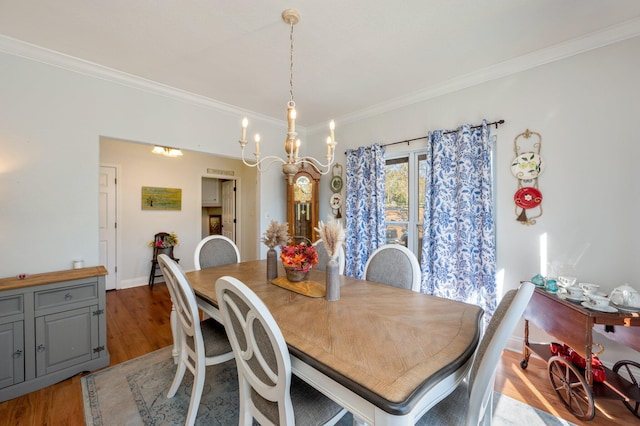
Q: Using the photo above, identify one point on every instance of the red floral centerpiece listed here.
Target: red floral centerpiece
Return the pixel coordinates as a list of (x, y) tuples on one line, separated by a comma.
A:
[(297, 260)]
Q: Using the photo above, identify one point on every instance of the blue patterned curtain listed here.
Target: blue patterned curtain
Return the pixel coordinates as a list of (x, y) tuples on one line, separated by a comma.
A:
[(458, 248), (365, 225)]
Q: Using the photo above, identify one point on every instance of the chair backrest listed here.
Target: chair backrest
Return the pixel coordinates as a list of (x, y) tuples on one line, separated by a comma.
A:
[(262, 356), (395, 265), (184, 301), (323, 257), (487, 358), (215, 250)]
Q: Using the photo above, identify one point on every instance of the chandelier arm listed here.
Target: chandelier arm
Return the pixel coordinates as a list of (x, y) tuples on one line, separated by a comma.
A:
[(317, 164), (260, 163)]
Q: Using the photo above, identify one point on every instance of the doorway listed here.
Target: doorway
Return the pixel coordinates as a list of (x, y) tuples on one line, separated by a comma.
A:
[(219, 207)]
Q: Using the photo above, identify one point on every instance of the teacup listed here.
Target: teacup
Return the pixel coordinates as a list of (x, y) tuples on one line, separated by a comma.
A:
[(589, 288), (598, 301), (574, 292), (566, 281)]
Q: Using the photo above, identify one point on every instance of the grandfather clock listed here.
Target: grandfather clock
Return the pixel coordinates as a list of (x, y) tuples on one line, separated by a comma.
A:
[(302, 204)]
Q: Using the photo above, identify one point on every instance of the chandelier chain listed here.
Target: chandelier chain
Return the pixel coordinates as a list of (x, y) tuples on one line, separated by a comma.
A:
[(291, 101)]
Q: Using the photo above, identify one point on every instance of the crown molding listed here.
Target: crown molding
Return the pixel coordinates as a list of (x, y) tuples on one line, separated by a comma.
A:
[(51, 57), (607, 36), (610, 35)]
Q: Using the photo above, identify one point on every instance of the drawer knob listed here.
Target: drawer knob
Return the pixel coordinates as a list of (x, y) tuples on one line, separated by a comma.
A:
[(68, 296), (17, 354), (40, 348)]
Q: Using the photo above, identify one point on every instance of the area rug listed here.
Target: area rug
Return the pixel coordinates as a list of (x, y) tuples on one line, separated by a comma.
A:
[(134, 393)]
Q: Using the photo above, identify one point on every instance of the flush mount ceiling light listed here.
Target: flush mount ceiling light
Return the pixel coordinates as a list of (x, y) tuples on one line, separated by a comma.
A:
[(169, 152), (292, 162)]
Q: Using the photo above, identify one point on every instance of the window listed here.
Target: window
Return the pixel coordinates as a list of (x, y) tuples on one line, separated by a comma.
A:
[(404, 200)]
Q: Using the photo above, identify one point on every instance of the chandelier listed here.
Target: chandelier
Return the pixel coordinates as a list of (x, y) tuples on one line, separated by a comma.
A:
[(292, 162)]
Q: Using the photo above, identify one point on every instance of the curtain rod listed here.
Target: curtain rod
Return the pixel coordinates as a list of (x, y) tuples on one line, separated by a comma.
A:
[(496, 123)]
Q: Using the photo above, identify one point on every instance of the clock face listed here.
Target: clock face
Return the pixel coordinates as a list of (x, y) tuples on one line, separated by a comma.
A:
[(336, 201), (336, 183)]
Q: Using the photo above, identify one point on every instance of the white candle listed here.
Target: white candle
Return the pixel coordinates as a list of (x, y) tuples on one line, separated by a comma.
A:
[(329, 146), (292, 119), (257, 144), (332, 126), (245, 122)]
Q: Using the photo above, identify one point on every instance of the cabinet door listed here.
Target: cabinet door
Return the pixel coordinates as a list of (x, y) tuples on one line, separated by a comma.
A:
[(11, 353), (66, 338)]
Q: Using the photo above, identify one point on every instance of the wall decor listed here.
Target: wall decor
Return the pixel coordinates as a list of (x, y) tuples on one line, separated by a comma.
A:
[(336, 185), (215, 224), (526, 167), (156, 198)]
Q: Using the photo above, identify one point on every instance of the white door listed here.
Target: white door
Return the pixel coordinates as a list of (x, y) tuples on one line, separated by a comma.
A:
[(107, 223), (229, 209)]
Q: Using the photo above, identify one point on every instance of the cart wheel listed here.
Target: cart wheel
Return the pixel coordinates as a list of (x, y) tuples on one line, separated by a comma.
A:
[(632, 372), (524, 363), (571, 387)]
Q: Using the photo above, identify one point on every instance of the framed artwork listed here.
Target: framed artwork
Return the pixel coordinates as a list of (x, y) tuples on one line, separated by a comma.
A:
[(155, 198), (215, 224)]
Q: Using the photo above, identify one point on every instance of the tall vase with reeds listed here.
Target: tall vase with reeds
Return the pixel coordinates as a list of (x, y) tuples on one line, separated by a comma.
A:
[(332, 234), (275, 235)]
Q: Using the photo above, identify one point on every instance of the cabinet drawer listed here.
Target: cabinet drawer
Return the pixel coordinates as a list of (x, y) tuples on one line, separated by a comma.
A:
[(11, 305), (66, 295)]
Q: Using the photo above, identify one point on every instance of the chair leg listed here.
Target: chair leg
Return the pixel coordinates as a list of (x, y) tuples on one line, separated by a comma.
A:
[(177, 379), (196, 394), (152, 275)]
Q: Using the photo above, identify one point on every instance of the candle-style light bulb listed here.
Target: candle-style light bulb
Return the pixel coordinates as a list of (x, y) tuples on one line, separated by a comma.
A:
[(245, 123), (332, 127), (292, 119), (257, 144)]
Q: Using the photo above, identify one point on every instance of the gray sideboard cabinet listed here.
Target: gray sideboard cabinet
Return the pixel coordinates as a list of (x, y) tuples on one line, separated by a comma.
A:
[(52, 326)]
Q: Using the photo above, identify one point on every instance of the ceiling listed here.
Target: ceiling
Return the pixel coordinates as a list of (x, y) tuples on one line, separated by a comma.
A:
[(349, 56)]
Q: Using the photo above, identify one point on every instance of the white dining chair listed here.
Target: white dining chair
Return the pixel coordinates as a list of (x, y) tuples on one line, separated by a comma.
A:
[(215, 250), (200, 343), (269, 393), (323, 257), (395, 265), (471, 402)]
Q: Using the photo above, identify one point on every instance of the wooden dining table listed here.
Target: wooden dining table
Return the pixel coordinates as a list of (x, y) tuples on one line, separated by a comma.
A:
[(384, 353)]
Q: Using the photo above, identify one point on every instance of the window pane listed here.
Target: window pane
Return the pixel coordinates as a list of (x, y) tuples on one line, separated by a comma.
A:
[(422, 176), (397, 233), (419, 229), (397, 190)]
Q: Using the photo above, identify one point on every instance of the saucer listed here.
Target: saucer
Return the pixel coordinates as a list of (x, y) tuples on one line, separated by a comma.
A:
[(564, 295), (610, 309), (624, 308)]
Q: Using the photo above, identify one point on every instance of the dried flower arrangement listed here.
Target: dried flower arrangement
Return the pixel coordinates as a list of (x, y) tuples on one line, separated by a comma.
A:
[(332, 234), (276, 234), (300, 257), (169, 241)]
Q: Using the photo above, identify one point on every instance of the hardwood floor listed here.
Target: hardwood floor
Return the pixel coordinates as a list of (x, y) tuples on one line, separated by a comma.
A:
[(138, 323)]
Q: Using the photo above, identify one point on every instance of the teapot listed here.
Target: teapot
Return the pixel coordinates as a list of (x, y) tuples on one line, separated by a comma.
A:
[(625, 295)]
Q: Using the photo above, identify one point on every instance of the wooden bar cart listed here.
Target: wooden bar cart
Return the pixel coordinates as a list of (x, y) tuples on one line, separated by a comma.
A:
[(573, 325)]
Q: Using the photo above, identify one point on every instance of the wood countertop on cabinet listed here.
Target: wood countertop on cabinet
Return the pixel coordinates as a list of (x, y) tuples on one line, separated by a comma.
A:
[(52, 277)]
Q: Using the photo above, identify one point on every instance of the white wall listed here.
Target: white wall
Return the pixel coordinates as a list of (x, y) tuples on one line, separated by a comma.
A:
[(586, 108), (51, 122), (137, 167)]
